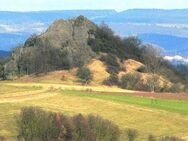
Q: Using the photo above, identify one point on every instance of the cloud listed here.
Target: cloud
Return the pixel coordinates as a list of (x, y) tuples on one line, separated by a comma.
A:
[(9, 28), (177, 58), (37, 27)]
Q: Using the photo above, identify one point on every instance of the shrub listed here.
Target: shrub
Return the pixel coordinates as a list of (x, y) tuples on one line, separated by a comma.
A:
[(103, 130), (171, 139), (132, 134), (37, 125), (152, 138), (20, 138), (30, 123), (85, 75), (111, 80), (141, 86), (2, 138), (130, 81), (113, 67), (133, 81), (153, 83), (176, 88), (142, 69), (106, 41)]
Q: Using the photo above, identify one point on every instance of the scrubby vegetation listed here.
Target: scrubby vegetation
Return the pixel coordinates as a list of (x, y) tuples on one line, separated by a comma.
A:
[(37, 125), (111, 61), (112, 80), (105, 41), (171, 139), (85, 75), (130, 81), (118, 107), (132, 134)]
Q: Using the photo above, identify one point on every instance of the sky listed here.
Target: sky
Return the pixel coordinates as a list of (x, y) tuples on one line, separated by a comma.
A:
[(118, 5)]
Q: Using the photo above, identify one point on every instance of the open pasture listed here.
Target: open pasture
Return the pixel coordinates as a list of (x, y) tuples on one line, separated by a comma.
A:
[(161, 117)]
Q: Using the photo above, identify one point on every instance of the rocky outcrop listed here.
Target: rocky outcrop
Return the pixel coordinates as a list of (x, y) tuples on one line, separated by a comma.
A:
[(74, 32), (64, 43)]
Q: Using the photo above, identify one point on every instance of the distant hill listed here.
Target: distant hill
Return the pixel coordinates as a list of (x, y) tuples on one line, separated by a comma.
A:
[(8, 40), (129, 16), (176, 16), (4, 54), (50, 16), (172, 45)]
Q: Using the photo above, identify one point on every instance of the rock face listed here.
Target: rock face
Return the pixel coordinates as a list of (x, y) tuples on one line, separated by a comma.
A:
[(61, 33), (68, 38)]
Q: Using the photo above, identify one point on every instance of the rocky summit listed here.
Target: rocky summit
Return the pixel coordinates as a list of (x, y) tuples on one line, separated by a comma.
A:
[(64, 44), (62, 33)]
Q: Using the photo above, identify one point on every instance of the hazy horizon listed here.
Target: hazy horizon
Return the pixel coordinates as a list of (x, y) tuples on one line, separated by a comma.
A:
[(92, 9), (118, 5)]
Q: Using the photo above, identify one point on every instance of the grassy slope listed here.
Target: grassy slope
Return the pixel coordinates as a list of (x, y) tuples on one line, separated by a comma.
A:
[(125, 111), (177, 106)]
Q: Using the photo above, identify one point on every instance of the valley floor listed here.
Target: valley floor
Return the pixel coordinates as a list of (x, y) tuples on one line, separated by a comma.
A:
[(162, 116)]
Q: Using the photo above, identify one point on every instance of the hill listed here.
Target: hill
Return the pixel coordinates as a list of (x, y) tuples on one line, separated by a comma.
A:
[(4, 54), (174, 16), (86, 51), (9, 40), (48, 17)]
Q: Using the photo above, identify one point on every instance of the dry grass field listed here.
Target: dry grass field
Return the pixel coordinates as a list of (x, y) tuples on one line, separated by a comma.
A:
[(166, 117)]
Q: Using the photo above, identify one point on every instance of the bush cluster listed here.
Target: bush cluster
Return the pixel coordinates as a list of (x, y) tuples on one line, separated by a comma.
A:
[(133, 134), (37, 125), (171, 139), (142, 69), (130, 81), (106, 41), (133, 81), (113, 67), (111, 80), (85, 75)]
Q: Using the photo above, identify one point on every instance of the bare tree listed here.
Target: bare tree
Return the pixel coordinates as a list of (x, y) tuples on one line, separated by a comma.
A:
[(153, 61)]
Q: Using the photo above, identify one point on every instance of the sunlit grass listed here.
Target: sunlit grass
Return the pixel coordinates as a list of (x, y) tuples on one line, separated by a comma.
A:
[(166, 117), (178, 106)]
